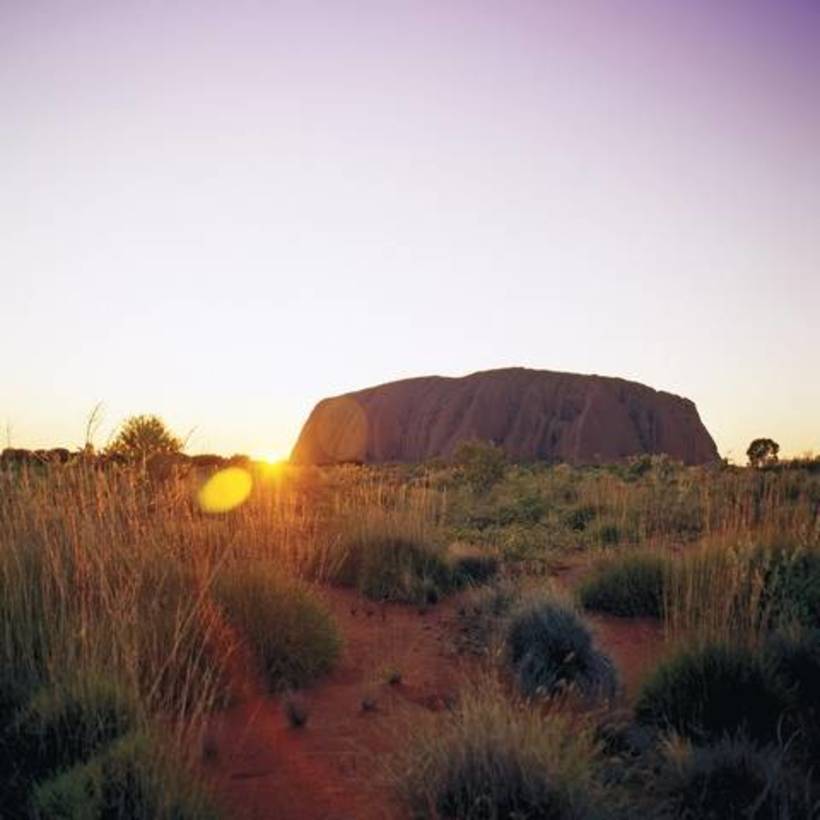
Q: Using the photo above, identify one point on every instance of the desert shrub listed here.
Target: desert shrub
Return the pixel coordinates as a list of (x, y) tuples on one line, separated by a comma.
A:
[(579, 518), (529, 509), (796, 660), (610, 535), (14, 693), (396, 568), (498, 760), (733, 778), (730, 590), (470, 565), (623, 742), (482, 464), (712, 690), (131, 781), (484, 611), (791, 584), (638, 466), (292, 634), (388, 544), (550, 649), (61, 726), (630, 585)]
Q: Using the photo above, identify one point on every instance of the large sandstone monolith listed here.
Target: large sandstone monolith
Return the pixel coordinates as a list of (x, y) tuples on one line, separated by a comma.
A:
[(532, 414)]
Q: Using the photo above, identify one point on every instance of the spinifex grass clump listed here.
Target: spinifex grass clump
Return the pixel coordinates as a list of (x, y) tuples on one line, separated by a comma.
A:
[(791, 581), (551, 650), (630, 585), (470, 564), (58, 727), (292, 634), (14, 694), (795, 658), (390, 548), (496, 759), (744, 588), (710, 691), (67, 724), (134, 779), (392, 568), (484, 611), (734, 778)]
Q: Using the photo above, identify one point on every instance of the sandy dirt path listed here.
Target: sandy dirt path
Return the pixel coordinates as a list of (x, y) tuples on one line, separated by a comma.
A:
[(333, 768)]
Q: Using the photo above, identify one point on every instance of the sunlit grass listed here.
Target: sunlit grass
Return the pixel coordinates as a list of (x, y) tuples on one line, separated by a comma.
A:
[(497, 757), (146, 580)]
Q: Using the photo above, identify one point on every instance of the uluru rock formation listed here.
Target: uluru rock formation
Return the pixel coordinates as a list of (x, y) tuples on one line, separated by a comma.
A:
[(532, 414)]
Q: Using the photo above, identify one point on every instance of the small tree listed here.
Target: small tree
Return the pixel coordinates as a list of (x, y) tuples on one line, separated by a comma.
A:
[(141, 437), (482, 463), (762, 451)]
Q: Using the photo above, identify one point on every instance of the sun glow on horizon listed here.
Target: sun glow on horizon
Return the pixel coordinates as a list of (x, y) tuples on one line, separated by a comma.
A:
[(271, 458)]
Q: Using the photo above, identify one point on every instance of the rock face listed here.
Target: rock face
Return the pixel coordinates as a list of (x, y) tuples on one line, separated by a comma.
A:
[(532, 414)]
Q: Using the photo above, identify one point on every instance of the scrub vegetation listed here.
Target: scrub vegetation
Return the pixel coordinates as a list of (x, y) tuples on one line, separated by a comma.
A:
[(126, 607)]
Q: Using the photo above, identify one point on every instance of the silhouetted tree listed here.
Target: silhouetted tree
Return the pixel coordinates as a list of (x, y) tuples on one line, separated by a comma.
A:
[(141, 437), (762, 451)]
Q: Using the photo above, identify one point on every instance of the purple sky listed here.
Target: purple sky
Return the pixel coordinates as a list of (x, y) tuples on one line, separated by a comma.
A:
[(222, 212)]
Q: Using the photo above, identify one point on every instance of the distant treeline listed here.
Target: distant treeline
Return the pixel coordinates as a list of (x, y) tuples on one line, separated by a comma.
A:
[(810, 463), (13, 456), (61, 455)]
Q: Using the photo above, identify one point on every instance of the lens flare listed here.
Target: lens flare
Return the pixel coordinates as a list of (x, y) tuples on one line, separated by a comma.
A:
[(225, 490)]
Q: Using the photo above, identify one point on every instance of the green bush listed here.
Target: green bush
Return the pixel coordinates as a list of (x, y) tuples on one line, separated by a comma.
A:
[(396, 568), (610, 535), (292, 634), (581, 517), (133, 780), (713, 690), (529, 509), (638, 466), (732, 779), (497, 760), (482, 464), (796, 660), (791, 583), (470, 565), (61, 726), (14, 693), (551, 650), (630, 585), (483, 612)]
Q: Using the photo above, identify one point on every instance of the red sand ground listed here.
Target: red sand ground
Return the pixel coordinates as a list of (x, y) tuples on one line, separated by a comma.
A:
[(333, 768)]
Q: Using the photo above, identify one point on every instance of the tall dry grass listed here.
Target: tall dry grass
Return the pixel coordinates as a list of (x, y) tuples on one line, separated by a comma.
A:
[(112, 576), (741, 587), (114, 570)]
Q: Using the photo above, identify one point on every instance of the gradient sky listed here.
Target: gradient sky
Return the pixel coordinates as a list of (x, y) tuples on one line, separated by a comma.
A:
[(223, 211)]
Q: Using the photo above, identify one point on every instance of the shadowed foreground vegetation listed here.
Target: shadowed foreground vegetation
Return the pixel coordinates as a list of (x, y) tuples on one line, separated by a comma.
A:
[(124, 606)]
